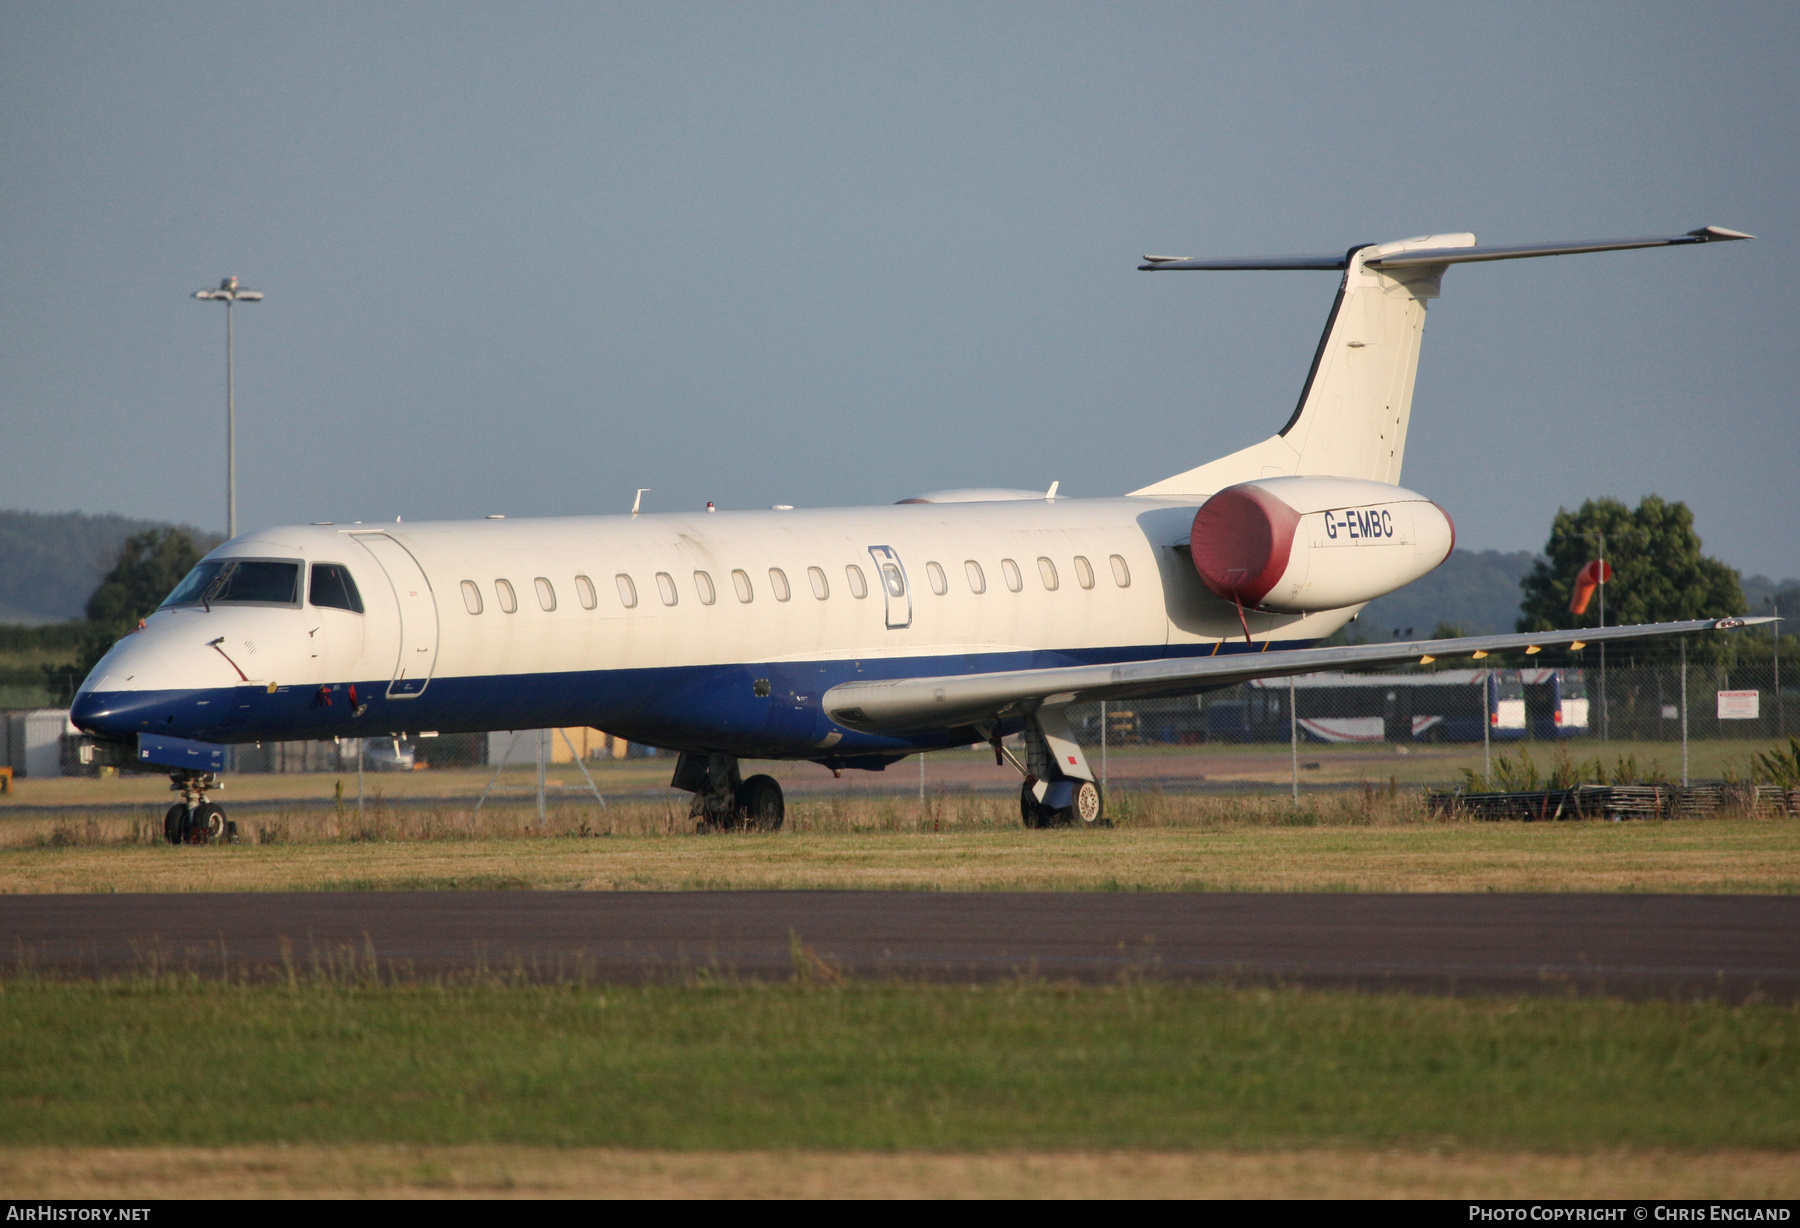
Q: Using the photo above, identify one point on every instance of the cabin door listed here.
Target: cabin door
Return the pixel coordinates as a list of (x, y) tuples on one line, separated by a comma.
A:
[(418, 615), (890, 575)]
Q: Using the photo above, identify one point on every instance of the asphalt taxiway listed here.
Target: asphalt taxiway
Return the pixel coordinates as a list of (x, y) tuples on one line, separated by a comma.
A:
[(1729, 947)]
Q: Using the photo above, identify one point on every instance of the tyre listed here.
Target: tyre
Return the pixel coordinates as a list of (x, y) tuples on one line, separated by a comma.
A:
[(207, 825), (175, 823), (1031, 812), (1089, 809), (1082, 806), (761, 804)]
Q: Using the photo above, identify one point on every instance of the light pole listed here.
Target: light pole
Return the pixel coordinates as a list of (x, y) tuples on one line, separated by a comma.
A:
[(229, 292)]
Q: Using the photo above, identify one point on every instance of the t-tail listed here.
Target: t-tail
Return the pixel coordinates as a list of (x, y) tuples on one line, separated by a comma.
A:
[(1353, 411)]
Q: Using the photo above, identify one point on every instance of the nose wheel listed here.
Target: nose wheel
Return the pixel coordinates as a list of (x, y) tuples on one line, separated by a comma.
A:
[(194, 819)]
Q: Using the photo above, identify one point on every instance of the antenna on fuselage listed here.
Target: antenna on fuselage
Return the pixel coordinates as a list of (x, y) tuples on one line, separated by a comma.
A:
[(639, 501)]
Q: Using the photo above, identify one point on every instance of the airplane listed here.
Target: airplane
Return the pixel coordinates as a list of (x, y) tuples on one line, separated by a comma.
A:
[(848, 637)]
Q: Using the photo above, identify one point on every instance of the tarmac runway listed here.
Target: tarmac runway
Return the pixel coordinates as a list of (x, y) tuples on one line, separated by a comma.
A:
[(1729, 947)]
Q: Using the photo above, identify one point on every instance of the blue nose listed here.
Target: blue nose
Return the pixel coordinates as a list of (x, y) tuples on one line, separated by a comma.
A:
[(125, 714), (92, 713)]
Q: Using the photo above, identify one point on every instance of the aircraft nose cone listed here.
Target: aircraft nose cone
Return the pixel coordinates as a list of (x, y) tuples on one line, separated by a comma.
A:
[(100, 713), (122, 715)]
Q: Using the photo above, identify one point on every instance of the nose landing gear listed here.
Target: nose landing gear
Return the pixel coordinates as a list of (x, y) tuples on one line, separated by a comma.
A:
[(194, 819)]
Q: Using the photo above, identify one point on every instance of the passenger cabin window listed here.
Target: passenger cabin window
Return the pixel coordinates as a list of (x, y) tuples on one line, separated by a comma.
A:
[(1047, 573), (239, 581), (665, 585), (627, 591), (584, 592), (859, 587), (471, 596), (977, 580), (504, 591), (820, 586), (1010, 570), (778, 584), (935, 574), (896, 583), (1121, 573), (740, 580), (1084, 572), (546, 594), (332, 588), (704, 586)]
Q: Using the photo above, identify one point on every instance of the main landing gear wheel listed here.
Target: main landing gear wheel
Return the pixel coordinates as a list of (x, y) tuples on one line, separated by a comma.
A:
[(760, 804), (175, 823), (1089, 810), (1083, 808)]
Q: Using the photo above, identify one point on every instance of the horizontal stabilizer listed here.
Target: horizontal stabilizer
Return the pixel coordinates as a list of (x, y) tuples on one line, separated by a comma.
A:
[(1440, 255), (1156, 264), (900, 704), (1469, 255)]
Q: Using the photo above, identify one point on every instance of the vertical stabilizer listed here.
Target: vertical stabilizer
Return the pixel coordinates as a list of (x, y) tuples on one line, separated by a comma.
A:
[(1353, 411), (1352, 415)]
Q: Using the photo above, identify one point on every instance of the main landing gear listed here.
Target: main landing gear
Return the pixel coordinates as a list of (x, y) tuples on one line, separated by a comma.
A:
[(1059, 790), (194, 819), (723, 800)]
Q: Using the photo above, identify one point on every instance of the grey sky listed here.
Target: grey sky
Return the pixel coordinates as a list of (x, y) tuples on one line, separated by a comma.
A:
[(525, 258)]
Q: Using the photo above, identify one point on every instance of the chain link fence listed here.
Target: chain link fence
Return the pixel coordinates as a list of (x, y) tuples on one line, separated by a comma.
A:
[(1636, 703), (1427, 726)]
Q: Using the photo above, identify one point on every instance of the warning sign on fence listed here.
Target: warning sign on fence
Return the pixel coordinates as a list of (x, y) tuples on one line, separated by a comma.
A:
[(1739, 705)]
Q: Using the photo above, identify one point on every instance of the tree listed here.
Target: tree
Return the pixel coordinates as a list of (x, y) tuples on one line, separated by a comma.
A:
[(149, 566), (1659, 574)]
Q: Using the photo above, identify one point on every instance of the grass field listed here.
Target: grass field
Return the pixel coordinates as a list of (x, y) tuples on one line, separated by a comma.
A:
[(176, 1089), (1024, 1066), (1199, 845), (503, 1171)]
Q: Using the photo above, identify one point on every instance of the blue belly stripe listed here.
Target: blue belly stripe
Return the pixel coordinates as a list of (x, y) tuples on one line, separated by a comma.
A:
[(713, 708)]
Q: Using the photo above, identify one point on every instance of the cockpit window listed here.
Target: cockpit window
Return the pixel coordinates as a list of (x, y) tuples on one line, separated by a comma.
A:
[(333, 588), (239, 581), (194, 585)]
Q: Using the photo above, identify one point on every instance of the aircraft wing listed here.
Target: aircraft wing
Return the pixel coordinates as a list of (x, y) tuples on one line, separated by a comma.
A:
[(901, 704)]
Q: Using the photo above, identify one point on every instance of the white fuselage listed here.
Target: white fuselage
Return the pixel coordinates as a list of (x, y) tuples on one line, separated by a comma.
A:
[(688, 620)]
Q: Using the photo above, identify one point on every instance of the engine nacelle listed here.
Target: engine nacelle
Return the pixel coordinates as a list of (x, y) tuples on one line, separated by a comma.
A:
[(1300, 544)]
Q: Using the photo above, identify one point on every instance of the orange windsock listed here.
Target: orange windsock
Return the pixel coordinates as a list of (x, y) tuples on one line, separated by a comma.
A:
[(1586, 581)]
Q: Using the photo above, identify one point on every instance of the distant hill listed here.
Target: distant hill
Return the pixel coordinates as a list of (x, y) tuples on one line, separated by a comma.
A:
[(49, 563), (1476, 590)]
